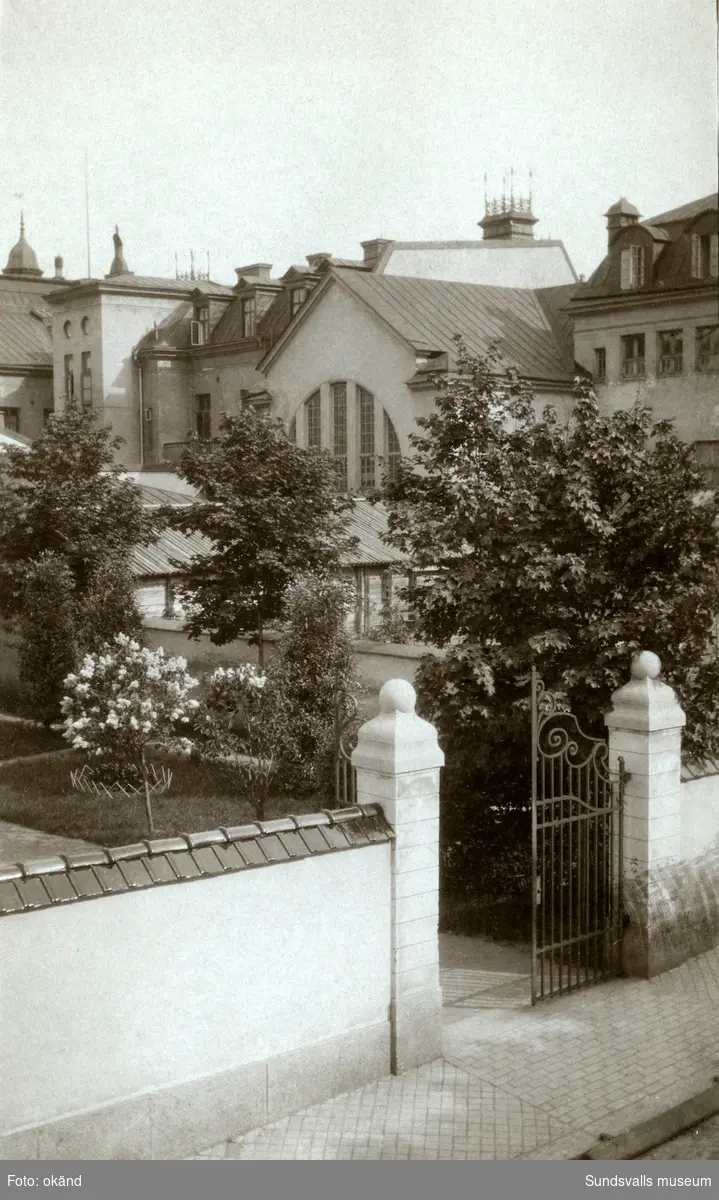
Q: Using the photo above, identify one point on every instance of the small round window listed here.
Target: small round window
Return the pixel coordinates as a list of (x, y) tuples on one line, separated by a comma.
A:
[(85, 324), (67, 329)]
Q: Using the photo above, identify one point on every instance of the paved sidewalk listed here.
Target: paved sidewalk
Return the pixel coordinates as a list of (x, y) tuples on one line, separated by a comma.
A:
[(20, 844), (517, 1082)]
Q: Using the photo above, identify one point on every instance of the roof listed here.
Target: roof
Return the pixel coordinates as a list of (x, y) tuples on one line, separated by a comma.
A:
[(147, 283), (495, 263), (368, 523), (153, 497), (10, 439), (623, 206), (93, 874), (169, 554), (25, 338), (699, 770), (429, 313), (685, 212)]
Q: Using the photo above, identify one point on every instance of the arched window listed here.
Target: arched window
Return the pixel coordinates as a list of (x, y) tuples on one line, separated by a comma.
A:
[(349, 421)]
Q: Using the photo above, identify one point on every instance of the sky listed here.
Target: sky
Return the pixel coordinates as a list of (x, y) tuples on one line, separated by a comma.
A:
[(264, 132)]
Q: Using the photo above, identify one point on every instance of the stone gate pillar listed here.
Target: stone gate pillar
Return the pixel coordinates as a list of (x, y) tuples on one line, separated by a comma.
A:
[(645, 729), (398, 760)]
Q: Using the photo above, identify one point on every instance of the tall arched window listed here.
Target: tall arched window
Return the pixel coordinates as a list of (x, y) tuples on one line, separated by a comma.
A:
[(347, 419)]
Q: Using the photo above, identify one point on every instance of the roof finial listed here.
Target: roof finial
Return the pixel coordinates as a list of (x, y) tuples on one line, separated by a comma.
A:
[(22, 224), (486, 201), (531, 177), (511, 187), (504, 192)]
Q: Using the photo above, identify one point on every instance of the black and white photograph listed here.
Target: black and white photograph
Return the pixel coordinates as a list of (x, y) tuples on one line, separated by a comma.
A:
[(359, 591)]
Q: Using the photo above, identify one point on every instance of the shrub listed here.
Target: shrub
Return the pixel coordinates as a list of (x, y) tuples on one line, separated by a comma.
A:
[(47, 627)]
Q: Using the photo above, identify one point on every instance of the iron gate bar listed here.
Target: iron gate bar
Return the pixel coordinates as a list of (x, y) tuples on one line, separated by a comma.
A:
[(577, 898)]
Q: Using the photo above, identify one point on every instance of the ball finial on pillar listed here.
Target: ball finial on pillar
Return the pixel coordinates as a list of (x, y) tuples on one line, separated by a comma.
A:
[(397, 695), (646, 665)]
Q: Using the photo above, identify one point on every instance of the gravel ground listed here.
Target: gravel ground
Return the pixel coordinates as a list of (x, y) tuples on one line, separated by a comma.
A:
[(702, 1142)]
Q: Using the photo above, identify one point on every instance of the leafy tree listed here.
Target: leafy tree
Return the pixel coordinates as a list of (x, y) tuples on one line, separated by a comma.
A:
[(567, 545), (271, 512), (47, 629), (65, 495), (63, 503), (315, 671)]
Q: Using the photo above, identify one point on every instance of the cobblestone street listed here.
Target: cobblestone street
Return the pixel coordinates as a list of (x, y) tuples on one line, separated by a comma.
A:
[(517, 1082)]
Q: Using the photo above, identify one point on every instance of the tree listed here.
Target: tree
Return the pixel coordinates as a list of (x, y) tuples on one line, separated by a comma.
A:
[(315, 672), (66, 513), (47, 628), (271, 512), (567, 545), (65, 495)]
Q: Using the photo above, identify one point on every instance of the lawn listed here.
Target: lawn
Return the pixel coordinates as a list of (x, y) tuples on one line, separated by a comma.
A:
[(39, 795), (17, 740)]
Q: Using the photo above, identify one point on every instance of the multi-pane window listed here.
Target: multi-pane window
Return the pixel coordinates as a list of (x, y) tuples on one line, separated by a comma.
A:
[(292, 431), (705, 255), (339, 432), (707, 357), (365, 401), (392, 451), (203, 427), (600, 364), (10, 419), (297, 299), (86, 378), (633, 360), (248, 313), (314, 433), (69, 376), (632, 268), (670, 352), (707, 456)]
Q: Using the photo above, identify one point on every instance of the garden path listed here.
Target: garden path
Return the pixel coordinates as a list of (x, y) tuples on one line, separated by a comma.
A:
[(19, 844)]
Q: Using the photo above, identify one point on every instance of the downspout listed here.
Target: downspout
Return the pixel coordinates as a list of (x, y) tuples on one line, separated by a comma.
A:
[(138, 364)]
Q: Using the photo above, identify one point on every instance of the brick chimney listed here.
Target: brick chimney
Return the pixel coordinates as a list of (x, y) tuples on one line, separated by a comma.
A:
[(260, 271), (372, 251)]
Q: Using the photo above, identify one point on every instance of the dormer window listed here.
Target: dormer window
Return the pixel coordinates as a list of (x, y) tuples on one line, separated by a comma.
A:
[(297, 298), (632, 268), (200, 328), (248, 316), (705, 256)]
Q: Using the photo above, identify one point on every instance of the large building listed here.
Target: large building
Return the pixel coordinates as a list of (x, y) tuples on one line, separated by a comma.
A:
[(162, 359), (646, 324)]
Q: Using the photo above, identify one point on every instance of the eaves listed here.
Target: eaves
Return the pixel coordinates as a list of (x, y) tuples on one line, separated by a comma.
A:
[(38, 371), (636, 300)]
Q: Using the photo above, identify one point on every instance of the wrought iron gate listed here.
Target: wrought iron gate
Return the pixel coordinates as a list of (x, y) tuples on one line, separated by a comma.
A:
[(346, 710), (577, 917)]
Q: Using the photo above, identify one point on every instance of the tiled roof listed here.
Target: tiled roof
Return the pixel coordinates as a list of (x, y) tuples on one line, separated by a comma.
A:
[(93, 874), (686, 212), (428, 313), (25, 339)]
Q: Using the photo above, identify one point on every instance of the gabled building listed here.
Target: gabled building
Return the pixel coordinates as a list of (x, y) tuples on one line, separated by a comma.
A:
[(646, 324)]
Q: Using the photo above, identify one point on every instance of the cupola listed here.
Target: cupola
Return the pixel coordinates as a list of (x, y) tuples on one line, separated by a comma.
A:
[(22, 261)]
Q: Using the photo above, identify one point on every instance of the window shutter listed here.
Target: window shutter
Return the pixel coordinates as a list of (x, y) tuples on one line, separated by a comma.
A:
[(626, 261), (696, 256), (641, 259), (714, 255)]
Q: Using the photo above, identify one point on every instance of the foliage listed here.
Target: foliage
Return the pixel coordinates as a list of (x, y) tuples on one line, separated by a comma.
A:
[(394, 628), (65, 495), (565, 544), (63, 502), (121, 700), (271, 512), (241, 726), (47, 628), (314, 670)]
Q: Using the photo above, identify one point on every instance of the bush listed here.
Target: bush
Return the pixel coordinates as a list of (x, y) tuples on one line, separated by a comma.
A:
[(47, 627)]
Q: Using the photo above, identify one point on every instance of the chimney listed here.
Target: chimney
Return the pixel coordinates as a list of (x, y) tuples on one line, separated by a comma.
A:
[(315, 259), (373, 251), (59, 267), (619, 216), (260, 271)]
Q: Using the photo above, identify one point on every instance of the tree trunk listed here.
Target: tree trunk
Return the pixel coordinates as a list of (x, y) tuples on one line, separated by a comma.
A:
[(260, 641), (148, 802)]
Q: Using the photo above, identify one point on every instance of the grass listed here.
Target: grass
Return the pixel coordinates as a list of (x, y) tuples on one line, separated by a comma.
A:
[(17, 741), (39, 795)]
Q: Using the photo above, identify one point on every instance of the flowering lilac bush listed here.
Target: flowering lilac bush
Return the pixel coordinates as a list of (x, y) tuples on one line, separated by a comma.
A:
[(241, 726), (123, 698)]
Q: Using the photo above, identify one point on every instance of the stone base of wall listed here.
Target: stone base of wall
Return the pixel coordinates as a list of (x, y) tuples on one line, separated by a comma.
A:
[(179, 1121), (673, 915)]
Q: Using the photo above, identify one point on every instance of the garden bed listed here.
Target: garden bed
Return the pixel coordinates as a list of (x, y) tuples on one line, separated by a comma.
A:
[(39, 795), (18, 740)]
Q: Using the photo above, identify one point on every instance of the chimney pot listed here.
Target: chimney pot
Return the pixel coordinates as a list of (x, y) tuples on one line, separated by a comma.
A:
[(59, 267)]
